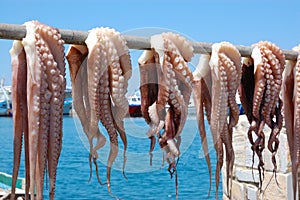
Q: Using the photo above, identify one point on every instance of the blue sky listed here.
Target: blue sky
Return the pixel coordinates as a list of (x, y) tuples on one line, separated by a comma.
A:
[(239, 22)]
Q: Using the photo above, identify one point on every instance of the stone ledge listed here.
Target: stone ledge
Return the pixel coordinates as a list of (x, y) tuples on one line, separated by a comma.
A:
[(252, 192), (273, 191), (270, 189), (238, 191), (243, 184), (246, 175)]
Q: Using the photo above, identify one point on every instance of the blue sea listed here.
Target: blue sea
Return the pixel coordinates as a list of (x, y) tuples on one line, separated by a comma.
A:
[(144, 181)]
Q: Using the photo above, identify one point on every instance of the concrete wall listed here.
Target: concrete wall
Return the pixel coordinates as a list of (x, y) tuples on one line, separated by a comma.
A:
[(245, 182)]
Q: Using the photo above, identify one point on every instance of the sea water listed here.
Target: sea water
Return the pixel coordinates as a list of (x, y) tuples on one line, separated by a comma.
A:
[(143, 181)]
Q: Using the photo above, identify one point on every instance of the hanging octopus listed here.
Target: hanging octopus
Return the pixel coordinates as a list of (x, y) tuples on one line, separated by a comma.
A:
[(76, 57), (148, 66), (291, 101), (259, 94), (202, 101), (38, 95), (170, 83), (100, 83), (226, 74), (20, 113)]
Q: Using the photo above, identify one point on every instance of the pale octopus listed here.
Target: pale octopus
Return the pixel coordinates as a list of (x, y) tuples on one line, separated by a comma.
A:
[(259, 93), (291, 104), (166, 79), (216, 80), (226, 74), (100, 74), (202, 101), (38, 87)]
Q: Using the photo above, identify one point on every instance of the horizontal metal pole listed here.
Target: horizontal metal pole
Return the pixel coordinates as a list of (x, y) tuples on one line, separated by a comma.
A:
[(18, 32)]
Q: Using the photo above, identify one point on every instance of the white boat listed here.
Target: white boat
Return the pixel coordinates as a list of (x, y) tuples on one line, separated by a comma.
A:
[(5, 99), (135, 105), (5, 186), (134, 102), (68, 101), (4, 110)]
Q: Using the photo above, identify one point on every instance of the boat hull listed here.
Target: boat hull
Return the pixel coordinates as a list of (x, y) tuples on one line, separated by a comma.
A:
[(135, 111)]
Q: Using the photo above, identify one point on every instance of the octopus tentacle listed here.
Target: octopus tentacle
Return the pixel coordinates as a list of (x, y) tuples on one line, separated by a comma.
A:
[(260, 80), (203, 73), (157, 111), (148, 82), (96, 68), (287, 91), (290, 90), (177, 52), (234, 74), (169, 144), (202, 100), (82, 80), (219, 165), (273, 68), (206, 100), (269, 64), (277, 66), (273, 142), (77, 59), (218, 95), (20, 113), (184, 48), (296, 122), (148, 89), (108, 78), (258, 147), (55, 137), (246, 92), (174, 82), (226, 137), (219, 107), (106, 119), (33, 94), (260, 99), (95, 71), (55, 70), (123, 53), (41, 60), (258, 121), (198, 101), (174, 70), (273, 85), (183, 75), (233, 83), (225, 65), (175, 100), (175, 45), (120, 72), (109, 69), (44, 120)]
